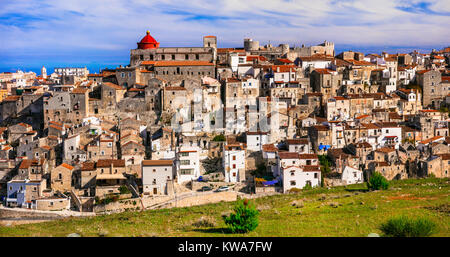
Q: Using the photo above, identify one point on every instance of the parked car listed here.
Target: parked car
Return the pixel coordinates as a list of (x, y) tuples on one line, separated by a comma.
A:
[(205, 188), (222, 189)]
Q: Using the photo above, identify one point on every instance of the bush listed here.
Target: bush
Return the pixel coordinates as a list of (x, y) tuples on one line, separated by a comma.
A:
[(377, 181), (307, 187), (219, 138), (124, 189), (406, 227), (294, 190), (244, 218)]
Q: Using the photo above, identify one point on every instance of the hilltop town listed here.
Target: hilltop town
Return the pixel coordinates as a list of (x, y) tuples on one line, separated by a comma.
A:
[(203, 120)]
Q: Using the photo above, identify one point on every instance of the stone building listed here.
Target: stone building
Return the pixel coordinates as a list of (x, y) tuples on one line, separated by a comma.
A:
[(327, 82), (433, 93), (61, 178), (79, 103)]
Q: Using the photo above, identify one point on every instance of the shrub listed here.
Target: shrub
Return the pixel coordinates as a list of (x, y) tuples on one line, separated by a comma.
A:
[(406, 227), (294, 190), (307, 187), (377, 181), (205, 222), (219, 138), (124, 189), (244, 218)]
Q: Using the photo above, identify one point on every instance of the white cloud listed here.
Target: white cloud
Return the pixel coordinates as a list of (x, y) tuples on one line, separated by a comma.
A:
[(116, 25)]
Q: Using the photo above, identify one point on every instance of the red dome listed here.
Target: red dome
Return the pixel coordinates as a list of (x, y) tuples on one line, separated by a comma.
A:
[(148, 42)]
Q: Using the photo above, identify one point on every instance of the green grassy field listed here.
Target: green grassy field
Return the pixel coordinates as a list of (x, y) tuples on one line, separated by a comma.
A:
[(340, 211)]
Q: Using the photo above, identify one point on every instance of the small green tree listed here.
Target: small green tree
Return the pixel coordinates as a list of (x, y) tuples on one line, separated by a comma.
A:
[(124, 189), (244, 218), (219, 138), (377, 181)]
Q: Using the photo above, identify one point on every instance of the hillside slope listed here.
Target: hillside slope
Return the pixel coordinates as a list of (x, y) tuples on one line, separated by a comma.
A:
[(339, 211)]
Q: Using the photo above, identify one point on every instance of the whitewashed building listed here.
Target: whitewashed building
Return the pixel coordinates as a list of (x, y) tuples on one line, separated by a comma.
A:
[(255, 140), (298, 177), (157, 176), (352, 176), (188, 164), (234, 162)]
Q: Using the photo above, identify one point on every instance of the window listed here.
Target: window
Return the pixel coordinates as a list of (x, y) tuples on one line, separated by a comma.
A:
[(173, 57), (163, 57), (292, 173), (293, 183), (185, 162), (186, 171), (234, 157), (186, 57), (197, 57), (234, 166)]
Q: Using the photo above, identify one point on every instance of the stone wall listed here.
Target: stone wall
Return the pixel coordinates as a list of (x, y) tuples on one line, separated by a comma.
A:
[(53, 204)]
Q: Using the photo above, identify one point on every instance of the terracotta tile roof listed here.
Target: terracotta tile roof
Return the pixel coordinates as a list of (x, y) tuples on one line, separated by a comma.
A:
[(288, 155), (308, 156), (385, 150), (309, 168), (114, 86), (24, 125), (107, 163), (422, 71), (445, 156), (362, 116), (321, 128), (56, 127), (283, 68), (79, 90), (25, 164), (429, 140), (67, 166), (363, 145), (136, 90), (46, 147), (157, 162), (87, 166), (284, 60), (387, 124), (256, 57), (175, 88), (95, 75), (269, 148), (370, 125), (297, 141), (12, 98), (323, 71)]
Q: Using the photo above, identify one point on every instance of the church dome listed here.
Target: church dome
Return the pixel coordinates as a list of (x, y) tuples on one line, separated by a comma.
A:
[(148, 42)]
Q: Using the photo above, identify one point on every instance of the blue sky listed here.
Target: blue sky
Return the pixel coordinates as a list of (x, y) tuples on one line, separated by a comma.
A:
[(100, 33)]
